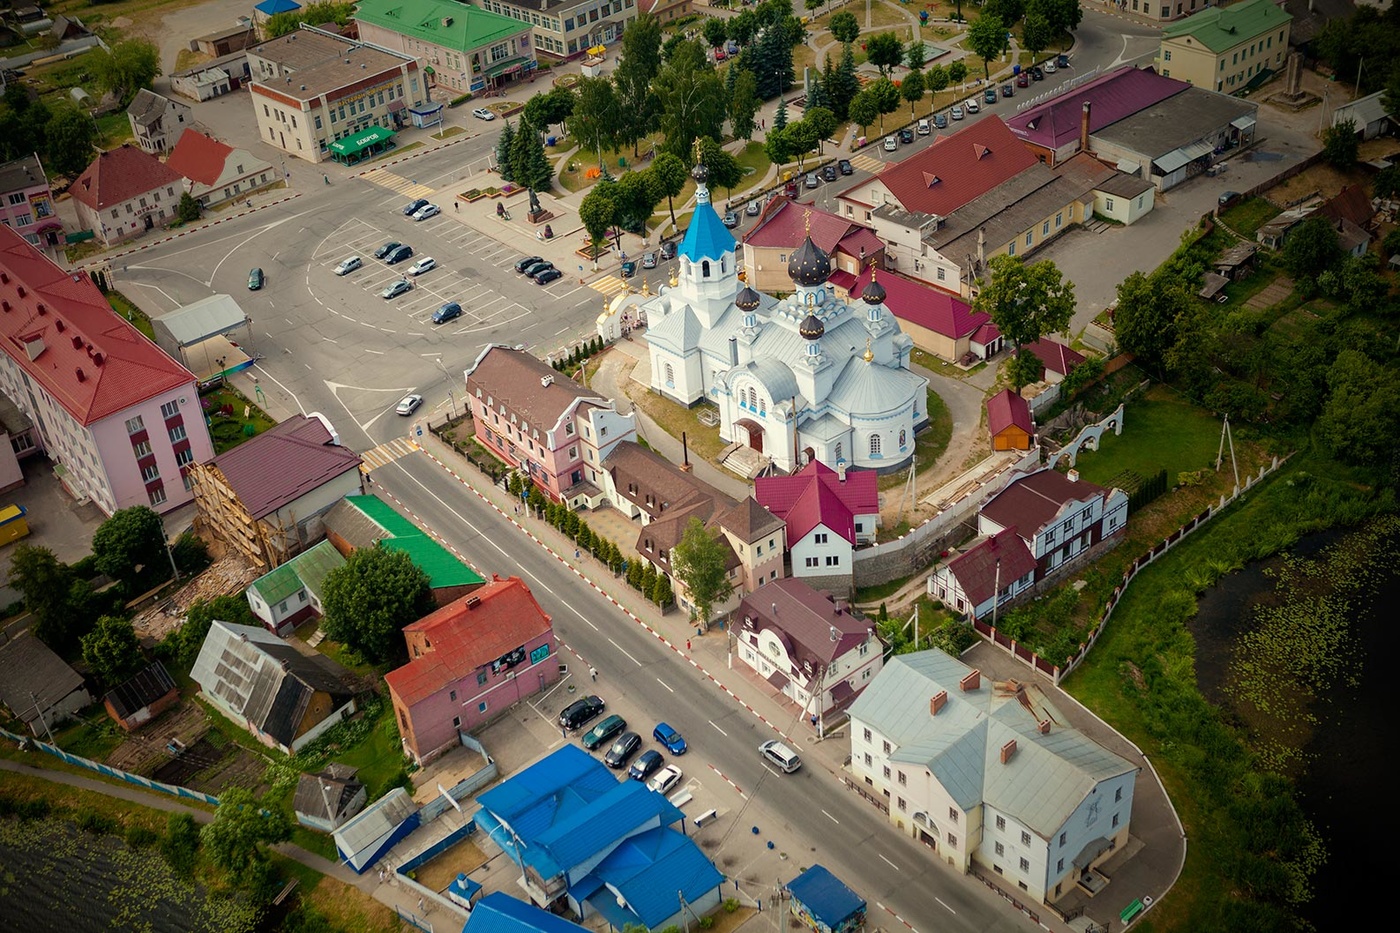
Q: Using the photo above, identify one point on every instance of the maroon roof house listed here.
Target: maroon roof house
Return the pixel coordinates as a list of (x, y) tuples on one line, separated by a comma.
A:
[(124, 192), (782, 227), (939, 321), (827, 513), (997, 563), (1056, 359), (1009, 421)]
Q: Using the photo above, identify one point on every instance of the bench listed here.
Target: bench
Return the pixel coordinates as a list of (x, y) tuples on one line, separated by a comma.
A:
[(1131, 911), (705, 817)]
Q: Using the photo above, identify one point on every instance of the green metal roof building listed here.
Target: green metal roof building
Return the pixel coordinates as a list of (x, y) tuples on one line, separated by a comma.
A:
[(284, 597), (463, 48), (1228, 49), (362, 521)]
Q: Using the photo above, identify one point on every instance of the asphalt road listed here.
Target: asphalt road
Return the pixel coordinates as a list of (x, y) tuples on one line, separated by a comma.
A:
[(645, 680)]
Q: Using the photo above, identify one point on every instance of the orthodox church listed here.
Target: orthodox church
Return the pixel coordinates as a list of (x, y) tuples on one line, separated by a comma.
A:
[(803, 378)]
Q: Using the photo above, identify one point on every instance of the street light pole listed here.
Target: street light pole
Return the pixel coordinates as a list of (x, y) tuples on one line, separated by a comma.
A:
[(451, 401)]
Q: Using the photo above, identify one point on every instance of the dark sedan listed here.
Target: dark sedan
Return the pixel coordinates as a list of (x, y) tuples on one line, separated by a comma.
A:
[(622, 750)]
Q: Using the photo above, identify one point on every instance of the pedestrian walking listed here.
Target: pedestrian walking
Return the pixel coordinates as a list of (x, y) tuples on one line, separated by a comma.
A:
[(593, 673), (420, 906), (763, 123), (576, 554), (455, 205), (687, 644), (564, 730)]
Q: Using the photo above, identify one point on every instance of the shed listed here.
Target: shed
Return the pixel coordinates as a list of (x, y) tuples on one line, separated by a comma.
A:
[(1212, 289), (1009, 421), (36, 684), (141, 699), (824, 903), (327, 799), (367, 837), (194, 323)]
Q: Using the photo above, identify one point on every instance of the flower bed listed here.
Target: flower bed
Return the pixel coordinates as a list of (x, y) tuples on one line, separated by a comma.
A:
[(472, 194)]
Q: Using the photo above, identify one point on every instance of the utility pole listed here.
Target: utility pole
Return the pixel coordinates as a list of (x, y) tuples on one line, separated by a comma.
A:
[(996, 593), (42, 718), (1227, 436)]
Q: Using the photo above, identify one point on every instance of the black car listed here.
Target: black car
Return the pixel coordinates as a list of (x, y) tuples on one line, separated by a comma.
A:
[(386, 249), (1008, 90), (398, 254), (645, 766), (1062, 60), (668, 249), (845, 167), (411, 207), (622, 750), (522, 264), (906, 136), (536, 267), (255, 280), (581, 712), (828, 173), (731, 219), (547, 276), (604, 731), (1037, 74)]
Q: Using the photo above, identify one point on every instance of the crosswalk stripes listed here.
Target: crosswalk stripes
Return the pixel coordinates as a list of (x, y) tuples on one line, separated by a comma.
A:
[(609, 285), (387, 453), (867, 164), (387, 179)]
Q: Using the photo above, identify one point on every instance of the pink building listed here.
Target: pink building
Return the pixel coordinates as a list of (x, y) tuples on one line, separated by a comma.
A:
[(26, 202), (472, 660), (119, 415), (544, 423)]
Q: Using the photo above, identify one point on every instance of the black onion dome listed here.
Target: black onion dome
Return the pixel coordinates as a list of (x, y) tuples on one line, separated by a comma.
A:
[(748, 299), (874, 292), (809, 265), (700, 173), (811, 327)]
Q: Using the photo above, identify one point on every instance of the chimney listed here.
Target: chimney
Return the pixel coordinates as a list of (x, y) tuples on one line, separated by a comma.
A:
[(82, 376), (1072, 476), (1084, 129), (1007, 751), (473, 602), (937, 702), (546, 381), (775, 609), (1043, 727), (971, 682)]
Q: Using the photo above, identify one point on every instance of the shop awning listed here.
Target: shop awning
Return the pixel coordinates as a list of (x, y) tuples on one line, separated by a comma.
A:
[(429, 70), (1186, 154), (506, 67), (353, 145), (1245, 122)]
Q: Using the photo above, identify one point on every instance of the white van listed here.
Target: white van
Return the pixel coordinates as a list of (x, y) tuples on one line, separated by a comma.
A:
[(780, 756), (891, 144), (924, 128)]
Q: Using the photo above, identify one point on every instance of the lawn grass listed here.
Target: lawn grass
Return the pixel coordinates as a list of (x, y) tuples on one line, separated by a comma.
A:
[(228, 431), (127, 309), (1246, 217), (113, 129), (929, 444), (1161, 430), (703, 441), (93, 737), (379, 758), (345, 907), (942, 367)]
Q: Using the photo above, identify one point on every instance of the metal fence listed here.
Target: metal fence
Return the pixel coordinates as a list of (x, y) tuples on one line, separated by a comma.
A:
[(174, 790)]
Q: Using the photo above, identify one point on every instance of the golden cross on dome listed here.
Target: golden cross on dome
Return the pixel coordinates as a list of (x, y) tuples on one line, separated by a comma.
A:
[(872, 270), (869, 354), (807, 219), (697, 150)]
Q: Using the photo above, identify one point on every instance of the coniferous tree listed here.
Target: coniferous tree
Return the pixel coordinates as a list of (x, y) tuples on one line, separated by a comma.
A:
[(503, 152), (780, 119)]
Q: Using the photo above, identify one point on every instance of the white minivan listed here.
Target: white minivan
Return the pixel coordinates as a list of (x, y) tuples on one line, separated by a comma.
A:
[(924, 128), (891, 144), (780, 756)]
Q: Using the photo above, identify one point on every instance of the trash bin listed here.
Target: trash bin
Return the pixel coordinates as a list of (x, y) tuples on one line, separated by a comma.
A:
[(550, 140), (1015, 69)]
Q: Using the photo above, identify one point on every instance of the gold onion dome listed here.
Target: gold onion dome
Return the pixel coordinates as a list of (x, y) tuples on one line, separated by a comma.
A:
[(748, 299), (811, 327)]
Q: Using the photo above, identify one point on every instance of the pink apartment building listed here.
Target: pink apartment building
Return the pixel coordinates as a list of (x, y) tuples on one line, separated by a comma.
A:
[(26, 202), (544, 423), (120, 418), (472, 660)]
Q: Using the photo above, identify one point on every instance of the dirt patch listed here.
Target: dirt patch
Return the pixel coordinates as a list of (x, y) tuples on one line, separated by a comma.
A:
[(226, 576), (465, 856), (144, 752), (206, 767), (1326, 180)]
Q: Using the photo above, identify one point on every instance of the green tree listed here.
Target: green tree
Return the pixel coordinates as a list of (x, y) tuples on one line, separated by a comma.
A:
[(661, 593), (1360, 420), (822, 123), (843, 85), (1026, 301), (1036, 33), (743, 26), (640, 64), (189, 209), (886, 97), (692, 100), (1392, 92), (780, 118), (1340, 147), (23, 124), (316, 13), (505, 144), (637, 195), (368, 600), (957, 72), (1064, 15), (915, 54), (725, 170), (779, 146), (240, 830), (51, 592), (714, 31), (671, 175), (1008, 11), (545, 110), (597, 116), (1144, 322), (70, 133), (597, 211), (180, 844), (743, 103), (1355, 283), (183, 644), (133, 537), (529, 166), (844, 27), (936, 79), (884, 51), (635, 573), (698, 562), (987, 39), (864, 109), (912, 89), (1311, 248), (648, 579), (112, 650), (132, 64), (1023, 368)]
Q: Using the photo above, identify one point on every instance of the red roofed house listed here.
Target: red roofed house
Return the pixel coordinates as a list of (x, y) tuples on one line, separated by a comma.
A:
[(218, 172), (780, 230), (939, 321), (543, 422), (1009, 421), (266, 496), (827, 514), (121, 417), (1058, 516), (472, 660), (125, 192), (999, 563), (1056, 358), (807, 644)]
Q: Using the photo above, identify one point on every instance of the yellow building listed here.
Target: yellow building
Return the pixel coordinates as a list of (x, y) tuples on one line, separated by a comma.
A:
[(1226, 49)]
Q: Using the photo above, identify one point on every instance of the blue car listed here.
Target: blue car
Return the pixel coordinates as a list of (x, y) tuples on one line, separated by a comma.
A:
[(669, 737)]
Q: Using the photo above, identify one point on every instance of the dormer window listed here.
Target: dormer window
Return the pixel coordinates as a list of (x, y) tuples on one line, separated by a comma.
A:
[(569, 429)]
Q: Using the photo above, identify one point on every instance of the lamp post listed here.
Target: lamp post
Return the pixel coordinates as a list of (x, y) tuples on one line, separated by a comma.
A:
[(451, 401)]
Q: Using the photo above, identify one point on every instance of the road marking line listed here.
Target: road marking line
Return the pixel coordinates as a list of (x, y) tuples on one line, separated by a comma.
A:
[(664, 684), (832, 818), (719, 730), (888, 862), (624, 651)]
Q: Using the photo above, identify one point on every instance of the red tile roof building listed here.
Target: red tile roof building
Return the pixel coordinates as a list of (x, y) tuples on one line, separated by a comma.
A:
[(940, 322), (828, 513), (998, 563), (1009, 421), (216, 171), (1056, 359), (782, 227), (119, 415), (472, 660), (124, 192)]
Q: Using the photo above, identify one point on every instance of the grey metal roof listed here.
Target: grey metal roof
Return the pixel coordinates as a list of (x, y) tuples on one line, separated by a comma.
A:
[(677, 331), (1175, 122), (1044, 781), (21, 173), (1364, 110), (872, 389), (147, 107), (340, 789), (140, 691), (375, 821), (31, 673), (200, 320), (1178, 157)]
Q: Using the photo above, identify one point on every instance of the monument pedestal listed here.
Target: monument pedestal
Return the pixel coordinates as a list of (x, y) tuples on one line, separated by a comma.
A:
[(539, 216)]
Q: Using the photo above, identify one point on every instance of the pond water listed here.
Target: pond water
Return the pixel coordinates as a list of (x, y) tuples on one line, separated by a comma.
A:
[(54, 876), (1347, 774)]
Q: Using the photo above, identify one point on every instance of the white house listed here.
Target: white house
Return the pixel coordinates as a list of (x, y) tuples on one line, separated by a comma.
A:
[(995, 570), (989, 773), (828, 514), (291, 594), (217, 172), (1058, 516), (156, 121)]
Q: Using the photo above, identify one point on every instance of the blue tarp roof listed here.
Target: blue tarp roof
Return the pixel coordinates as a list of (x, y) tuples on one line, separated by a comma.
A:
[(825, 896), (707, 237), (648, 869), (273, 7), (501, 913)]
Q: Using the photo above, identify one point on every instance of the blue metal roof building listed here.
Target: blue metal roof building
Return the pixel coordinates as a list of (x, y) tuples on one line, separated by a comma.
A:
[(273, 7), (501, 913), (605, 845), (824, 903)]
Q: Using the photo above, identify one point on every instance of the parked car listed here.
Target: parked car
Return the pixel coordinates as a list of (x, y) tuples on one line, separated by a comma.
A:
[(1227, 198), (426, 211), (665, 780), (1050, 67), (753, 208), (481, 113), (972, 106), (989, 96), (778, 755), (828, 173), (906, 136), (956, 113), (1023, 79), (1037, 74), (1062, 60), (395, 289), (1008, 90), (522, 264), (891, 144), (426, 264), (844, 166), (669, 737), (629, 269), (940, 121), (581, 711), (603, 732), (255, 280), (412, 206), (348, 265), (811, 181), (925, 127), (447, 312), (409, 404), (539, 265), (731, 219), (790, 189), (668, 249), (386, 249), (649, 260), (627, 745), (646, 765), (547, 276), (398, 254)]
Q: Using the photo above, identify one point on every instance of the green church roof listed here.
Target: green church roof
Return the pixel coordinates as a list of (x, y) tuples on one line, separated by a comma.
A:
[(446, 23), (1223, 28)]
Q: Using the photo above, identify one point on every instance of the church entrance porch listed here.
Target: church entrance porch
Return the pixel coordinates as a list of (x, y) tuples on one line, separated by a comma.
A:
[(754, 432)]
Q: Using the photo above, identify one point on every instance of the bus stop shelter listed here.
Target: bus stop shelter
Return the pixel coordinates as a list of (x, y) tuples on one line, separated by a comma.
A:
[(365, 144)]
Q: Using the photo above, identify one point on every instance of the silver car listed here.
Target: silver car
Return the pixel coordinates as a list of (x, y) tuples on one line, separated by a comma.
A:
[(348, 265)]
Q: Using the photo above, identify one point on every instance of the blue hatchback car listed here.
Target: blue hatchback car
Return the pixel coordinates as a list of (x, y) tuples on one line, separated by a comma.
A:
[(669, 737)]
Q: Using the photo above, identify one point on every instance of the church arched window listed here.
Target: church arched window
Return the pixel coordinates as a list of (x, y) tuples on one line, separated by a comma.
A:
[(670, 376), (705, 269), (840, 452), (874, 445), (723, 266), (753, 399), (901, 439)]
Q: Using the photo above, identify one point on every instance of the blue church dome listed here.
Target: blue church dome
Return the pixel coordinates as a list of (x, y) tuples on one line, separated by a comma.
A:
[(707, 237)]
